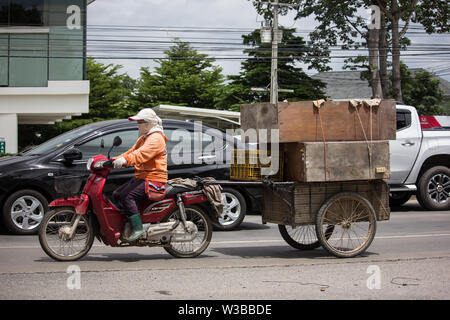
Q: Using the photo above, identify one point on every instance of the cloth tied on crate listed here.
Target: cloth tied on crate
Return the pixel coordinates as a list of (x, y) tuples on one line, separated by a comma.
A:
[(368, 103), (212, 191), (319, 103)]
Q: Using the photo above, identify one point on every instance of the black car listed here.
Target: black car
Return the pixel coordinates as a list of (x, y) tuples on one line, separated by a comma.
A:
[(27, 180)]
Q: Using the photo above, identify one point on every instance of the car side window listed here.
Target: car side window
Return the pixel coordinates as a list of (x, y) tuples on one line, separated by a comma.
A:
[(178, 140), (208, 143), (188, 141), (93, 147), (403, 119)]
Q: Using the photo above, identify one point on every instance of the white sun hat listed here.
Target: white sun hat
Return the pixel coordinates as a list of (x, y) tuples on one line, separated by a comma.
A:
[(149, 116), (146, 114)]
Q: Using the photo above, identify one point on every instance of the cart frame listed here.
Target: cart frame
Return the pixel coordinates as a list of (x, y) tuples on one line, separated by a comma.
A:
[(362, 195)]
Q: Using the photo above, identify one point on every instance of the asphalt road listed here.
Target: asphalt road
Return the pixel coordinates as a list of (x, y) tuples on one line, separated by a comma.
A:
[(409, 259)]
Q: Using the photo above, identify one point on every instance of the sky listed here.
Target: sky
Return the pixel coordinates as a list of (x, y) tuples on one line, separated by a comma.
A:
[(180, 18)]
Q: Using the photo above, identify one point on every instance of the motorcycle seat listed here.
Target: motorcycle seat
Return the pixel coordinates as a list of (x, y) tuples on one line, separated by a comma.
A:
[(175, 190)]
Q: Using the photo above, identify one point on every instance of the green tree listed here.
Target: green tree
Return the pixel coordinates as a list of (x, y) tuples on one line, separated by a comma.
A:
[(256, 72), (422, 91), (185, 77), (341, 24), (110, 91)]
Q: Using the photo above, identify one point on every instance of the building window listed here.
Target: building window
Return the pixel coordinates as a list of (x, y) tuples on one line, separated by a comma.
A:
[(4, 12), (22, 12)]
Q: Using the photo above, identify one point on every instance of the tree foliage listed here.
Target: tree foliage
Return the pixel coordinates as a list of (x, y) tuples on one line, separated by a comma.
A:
[(341, 23), (185, 77), (256, 72), (421, 90), (110, 91)]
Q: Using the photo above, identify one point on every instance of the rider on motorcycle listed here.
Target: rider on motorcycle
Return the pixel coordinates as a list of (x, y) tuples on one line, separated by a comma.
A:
[(149, 158)]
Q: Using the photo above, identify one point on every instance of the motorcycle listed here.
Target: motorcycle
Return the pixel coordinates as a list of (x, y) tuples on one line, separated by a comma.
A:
[(175, 223)]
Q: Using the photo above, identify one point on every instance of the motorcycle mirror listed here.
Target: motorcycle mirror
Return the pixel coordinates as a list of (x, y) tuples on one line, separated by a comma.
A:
[(117, 141)]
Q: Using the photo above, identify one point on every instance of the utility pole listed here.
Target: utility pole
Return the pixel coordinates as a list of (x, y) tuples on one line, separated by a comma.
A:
[(276, 39), (274, 73)]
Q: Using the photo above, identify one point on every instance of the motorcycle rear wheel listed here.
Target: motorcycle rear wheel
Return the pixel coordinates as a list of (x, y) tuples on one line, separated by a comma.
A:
[(52, 239), (201, 241)]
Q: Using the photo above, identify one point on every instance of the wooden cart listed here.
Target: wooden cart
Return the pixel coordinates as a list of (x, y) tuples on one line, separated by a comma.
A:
[(339, 216), (337, 152)]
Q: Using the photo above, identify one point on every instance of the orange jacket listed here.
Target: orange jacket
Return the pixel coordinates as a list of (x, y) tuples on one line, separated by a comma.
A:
[(149, 157)]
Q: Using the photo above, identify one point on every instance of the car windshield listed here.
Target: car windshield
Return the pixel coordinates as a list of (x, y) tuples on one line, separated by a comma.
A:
[(58, 141)]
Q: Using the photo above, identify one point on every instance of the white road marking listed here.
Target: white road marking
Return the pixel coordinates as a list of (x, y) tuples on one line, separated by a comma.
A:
[(268, 240), (381, 237)]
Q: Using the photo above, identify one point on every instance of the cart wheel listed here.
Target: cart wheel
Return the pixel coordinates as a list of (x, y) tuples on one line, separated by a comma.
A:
[(354, 223), (302, 237)]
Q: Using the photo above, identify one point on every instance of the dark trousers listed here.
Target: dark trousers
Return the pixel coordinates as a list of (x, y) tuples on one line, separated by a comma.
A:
[(129, 195)]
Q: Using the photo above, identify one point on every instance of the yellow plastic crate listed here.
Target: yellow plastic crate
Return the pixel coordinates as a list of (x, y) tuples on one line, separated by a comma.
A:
[(246, 165)]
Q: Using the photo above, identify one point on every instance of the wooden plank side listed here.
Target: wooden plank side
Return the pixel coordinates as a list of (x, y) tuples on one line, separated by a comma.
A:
[(294, 164), (275, 209), (309, 197), (345, 161), (388, 120), (336, 121), (297, 121), (258, 116)]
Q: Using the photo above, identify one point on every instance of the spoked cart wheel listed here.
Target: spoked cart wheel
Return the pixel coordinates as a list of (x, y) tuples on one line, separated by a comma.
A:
[(354, 221), (302, 237)]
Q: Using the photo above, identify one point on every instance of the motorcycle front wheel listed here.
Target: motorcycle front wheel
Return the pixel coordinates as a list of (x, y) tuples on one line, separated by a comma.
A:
[(54, 239), (191, 249)]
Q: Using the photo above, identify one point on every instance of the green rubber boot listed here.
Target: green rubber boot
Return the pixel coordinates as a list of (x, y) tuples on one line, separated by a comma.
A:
[(136, 224)]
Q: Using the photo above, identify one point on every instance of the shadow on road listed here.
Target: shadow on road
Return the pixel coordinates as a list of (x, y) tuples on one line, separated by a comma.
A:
[(278, 252), (408, 207), (247, 226), (282, 252), (124, 257), (252, 226)]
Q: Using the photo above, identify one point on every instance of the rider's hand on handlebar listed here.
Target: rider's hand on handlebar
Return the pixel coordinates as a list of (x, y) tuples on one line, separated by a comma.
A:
[(119, 163)]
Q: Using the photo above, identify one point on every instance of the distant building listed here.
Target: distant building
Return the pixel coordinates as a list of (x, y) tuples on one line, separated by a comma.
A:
[(42, 63), (344, 85)]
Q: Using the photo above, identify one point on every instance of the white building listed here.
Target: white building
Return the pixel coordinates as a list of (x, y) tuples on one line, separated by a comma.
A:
[(42, 64)]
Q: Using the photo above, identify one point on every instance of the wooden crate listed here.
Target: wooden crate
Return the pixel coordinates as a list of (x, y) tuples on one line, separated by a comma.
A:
[(345, 161), (259, 116), (300, 121), (309, 197)]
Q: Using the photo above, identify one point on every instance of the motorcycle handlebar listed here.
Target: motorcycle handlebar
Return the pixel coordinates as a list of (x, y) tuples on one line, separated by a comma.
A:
[(108, 164)]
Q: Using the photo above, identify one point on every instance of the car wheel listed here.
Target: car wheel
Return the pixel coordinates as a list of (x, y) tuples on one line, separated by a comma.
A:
[(434, 189), (23, 212), (234, 210), (397, 199)]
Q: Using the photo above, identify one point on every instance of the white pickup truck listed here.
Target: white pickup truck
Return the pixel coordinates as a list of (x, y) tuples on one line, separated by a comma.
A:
[(420, 162)]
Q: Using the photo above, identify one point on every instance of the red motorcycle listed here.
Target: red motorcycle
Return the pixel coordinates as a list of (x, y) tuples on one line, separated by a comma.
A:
[(175, 223)]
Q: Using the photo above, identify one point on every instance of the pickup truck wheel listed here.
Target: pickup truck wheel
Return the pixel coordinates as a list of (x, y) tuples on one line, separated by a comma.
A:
[(397, 199), (23, 212), (434, 189), (233, 212)]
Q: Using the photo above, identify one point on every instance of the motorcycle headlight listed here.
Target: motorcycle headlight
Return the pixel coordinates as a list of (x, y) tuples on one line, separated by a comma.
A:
[(99, 164), (89, 163)]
